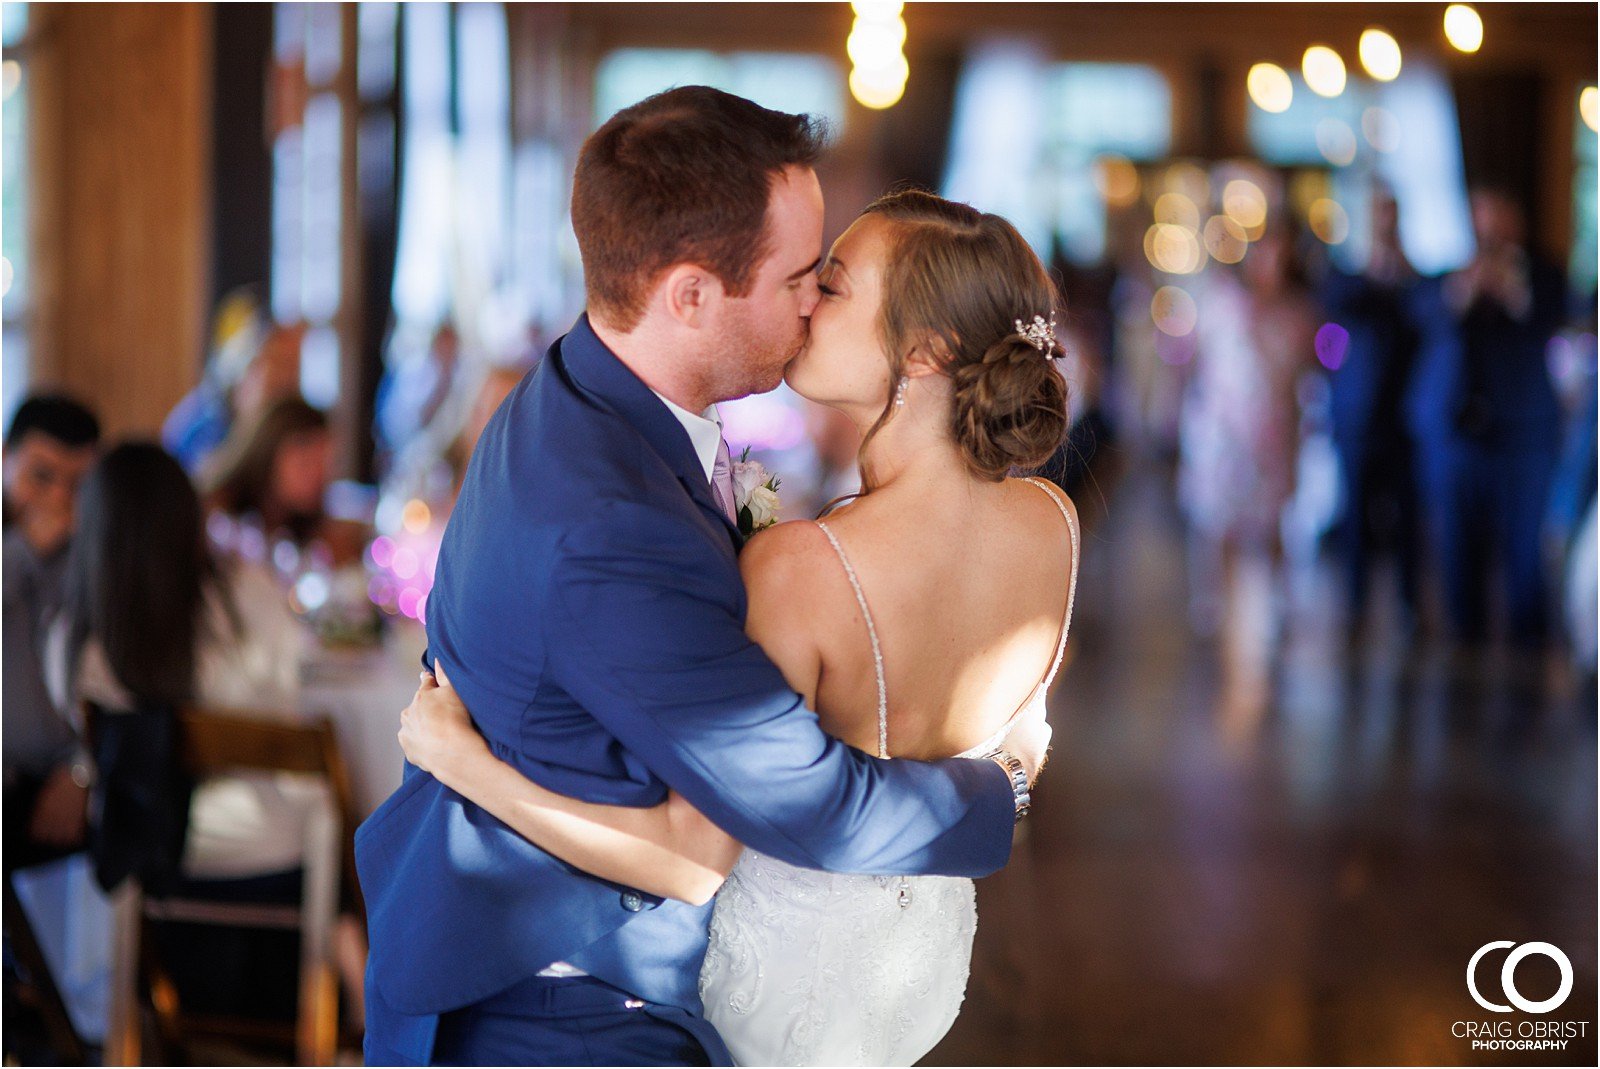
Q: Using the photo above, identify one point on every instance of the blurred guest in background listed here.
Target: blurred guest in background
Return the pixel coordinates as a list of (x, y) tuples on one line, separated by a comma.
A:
[(414, 389), (252, 364), (272, 475), (497, 385), (48, 448), (152, 617), (1485, 411), (1375, 453), (1240, 428)]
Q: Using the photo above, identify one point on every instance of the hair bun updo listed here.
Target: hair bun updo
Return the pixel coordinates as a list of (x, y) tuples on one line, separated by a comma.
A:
[(965, 279), (1009, 408)]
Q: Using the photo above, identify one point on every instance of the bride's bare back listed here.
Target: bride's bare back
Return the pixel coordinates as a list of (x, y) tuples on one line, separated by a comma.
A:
[(968, 597)]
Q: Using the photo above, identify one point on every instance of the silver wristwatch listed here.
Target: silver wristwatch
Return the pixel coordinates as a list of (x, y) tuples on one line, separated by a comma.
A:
[(1019, 780)]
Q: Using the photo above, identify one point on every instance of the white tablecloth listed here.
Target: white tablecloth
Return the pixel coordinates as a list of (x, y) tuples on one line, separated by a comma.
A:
[(362, 691)]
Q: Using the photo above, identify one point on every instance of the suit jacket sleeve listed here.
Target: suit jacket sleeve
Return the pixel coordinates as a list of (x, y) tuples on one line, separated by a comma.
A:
[(645, 630)]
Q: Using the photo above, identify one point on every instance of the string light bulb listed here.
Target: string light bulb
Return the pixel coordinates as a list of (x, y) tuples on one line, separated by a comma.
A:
[(1463, 28), (1323, 71), (1270, 88), (1380, 54), (876, 48)]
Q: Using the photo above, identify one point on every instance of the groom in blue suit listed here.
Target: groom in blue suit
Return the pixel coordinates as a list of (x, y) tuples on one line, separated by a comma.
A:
[(588, 607)]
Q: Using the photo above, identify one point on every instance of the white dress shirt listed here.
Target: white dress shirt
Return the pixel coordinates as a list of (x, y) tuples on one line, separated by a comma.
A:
[(705, 432)]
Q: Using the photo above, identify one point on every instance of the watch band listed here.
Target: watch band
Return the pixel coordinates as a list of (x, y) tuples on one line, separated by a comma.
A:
[(1019, 780)]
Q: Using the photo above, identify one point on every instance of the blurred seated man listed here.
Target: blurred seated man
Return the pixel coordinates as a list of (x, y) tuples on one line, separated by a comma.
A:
[(48, 448)]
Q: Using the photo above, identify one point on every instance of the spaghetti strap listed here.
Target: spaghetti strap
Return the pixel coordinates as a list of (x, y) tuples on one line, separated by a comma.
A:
[(1072, 581), (872, 633)]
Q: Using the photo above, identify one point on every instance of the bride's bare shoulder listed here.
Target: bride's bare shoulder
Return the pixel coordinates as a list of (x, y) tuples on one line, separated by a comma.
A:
[(784, 556)]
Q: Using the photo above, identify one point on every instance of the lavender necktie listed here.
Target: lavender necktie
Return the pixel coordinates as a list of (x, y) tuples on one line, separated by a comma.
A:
[(722, 482)]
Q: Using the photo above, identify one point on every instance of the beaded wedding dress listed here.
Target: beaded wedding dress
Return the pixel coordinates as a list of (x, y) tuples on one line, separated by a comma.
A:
[(816, 968)]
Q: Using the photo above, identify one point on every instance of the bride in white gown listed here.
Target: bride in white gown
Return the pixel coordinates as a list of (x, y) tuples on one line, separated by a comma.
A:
[(940, 628)]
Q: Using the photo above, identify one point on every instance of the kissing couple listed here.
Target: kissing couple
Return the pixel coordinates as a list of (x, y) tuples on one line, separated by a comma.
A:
[(679, 798)]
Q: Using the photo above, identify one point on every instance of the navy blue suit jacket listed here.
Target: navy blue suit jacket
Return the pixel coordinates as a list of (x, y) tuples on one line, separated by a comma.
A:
[(588, 606)]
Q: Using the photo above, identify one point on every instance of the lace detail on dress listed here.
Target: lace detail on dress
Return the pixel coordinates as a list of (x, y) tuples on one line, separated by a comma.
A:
[(814, 968)]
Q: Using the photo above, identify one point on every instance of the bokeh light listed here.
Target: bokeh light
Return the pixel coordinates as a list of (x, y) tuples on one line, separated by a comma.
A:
[(1177, 209), (405, 563), (1336, 141), (382, 551), (1323, 71), (416, 516), (1117, 180), (1270, 88), (1245, 204), (875, 46), (1589, 107), (1172, 249), (1380, 54), (1332, 344), (879, 88), (1225, 239), (1329, 221), (1173, 311), (1381, 129), (1463, 28)]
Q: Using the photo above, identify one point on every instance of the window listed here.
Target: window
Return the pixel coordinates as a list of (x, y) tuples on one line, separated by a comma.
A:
[(14, 266), (1026, 134), (783, 81), (1314, 129), (307, 269), (1100, 109)]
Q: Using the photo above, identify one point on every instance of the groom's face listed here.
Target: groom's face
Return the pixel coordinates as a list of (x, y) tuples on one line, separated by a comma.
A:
[(766, 329)]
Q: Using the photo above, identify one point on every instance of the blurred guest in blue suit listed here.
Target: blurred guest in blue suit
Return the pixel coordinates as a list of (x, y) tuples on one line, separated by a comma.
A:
[(1486, 413), (1374, 449)]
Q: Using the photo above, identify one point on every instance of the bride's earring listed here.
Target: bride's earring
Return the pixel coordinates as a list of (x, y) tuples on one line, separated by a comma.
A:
[(900, 394)]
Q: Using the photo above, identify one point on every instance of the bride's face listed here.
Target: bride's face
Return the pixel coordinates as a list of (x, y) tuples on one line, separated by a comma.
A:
[(843, 364)]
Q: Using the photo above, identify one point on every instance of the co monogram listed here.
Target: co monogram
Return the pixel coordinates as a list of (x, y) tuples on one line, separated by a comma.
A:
[(1508, 976)]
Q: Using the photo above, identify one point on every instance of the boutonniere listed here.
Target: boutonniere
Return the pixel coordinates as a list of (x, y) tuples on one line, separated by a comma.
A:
[(755, 495)]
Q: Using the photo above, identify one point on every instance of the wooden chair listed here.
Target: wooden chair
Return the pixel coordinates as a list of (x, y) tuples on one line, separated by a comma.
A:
[(216, 742)]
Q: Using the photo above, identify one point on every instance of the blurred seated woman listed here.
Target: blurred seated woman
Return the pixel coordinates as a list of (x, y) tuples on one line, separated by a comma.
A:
[(272, 475), (152, 617)]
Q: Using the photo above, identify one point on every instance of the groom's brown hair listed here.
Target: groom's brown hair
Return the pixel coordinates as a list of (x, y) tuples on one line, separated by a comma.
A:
[(680, 177)]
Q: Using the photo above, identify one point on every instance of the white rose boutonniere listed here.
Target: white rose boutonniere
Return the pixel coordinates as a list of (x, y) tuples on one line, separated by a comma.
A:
[(755, 495)]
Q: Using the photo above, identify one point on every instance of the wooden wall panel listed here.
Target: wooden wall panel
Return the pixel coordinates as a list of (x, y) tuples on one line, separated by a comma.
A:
[(121, 163)]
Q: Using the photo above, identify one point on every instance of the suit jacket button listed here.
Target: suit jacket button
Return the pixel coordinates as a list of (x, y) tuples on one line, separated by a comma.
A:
[(632, 902)]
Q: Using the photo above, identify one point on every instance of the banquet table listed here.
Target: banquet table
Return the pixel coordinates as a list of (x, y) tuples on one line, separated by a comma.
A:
[(362, 690)]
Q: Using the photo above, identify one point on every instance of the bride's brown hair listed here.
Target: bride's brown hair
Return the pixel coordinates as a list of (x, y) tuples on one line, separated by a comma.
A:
[(956, 281)]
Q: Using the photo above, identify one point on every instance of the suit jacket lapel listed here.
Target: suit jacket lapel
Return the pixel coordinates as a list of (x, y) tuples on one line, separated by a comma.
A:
[(598, 370)]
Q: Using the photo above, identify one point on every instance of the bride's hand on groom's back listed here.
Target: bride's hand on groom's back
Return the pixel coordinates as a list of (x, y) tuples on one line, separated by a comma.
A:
[(436, 730)]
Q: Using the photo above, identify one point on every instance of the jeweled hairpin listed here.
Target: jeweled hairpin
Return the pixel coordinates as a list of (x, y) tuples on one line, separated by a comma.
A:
[(1040, 334)]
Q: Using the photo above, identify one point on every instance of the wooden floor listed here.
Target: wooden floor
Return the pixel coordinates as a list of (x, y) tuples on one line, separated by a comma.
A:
[(1248, 857)]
